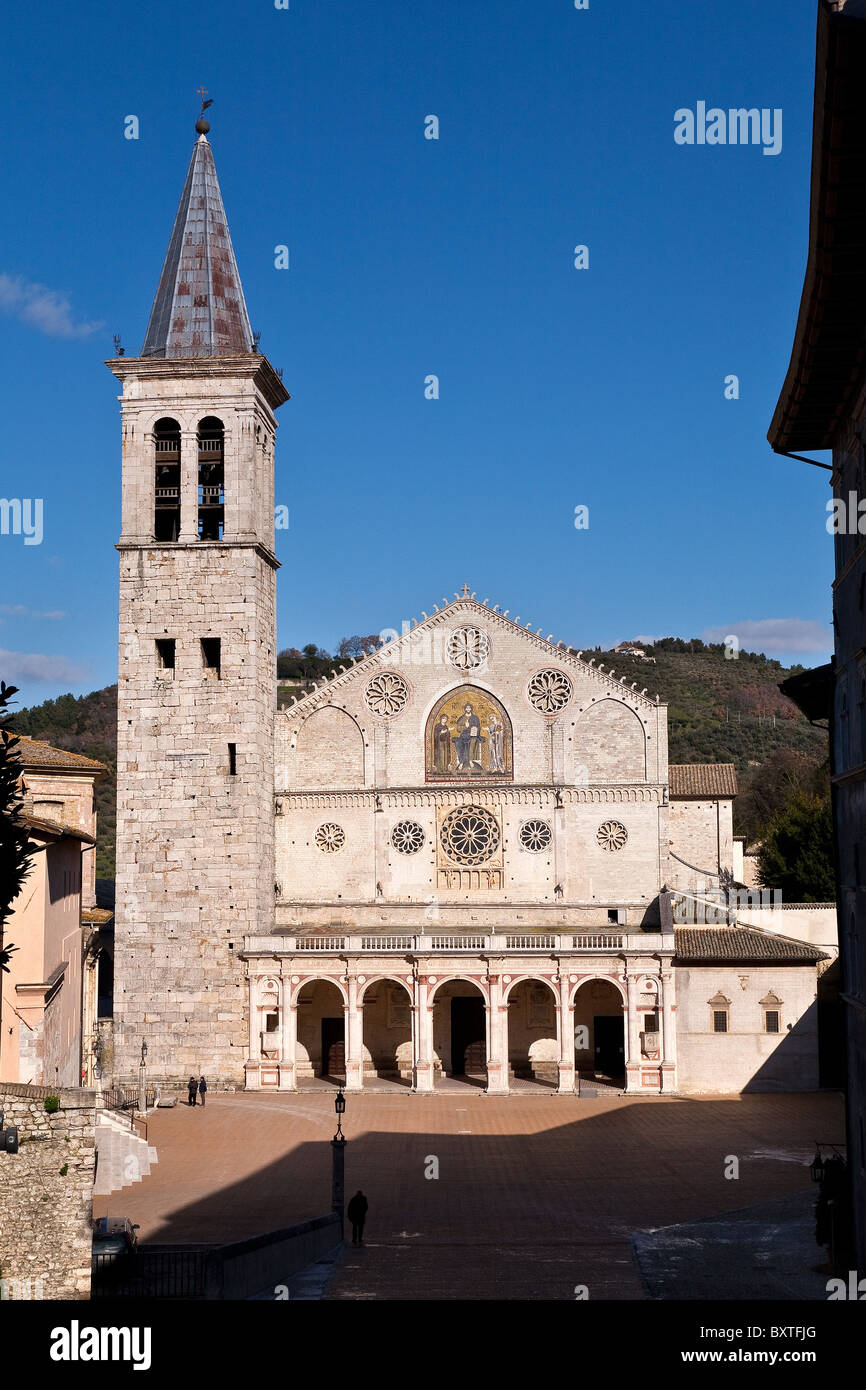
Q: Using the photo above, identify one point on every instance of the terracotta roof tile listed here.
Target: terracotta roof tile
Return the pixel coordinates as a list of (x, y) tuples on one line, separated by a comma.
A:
[(36, 754), (55, 829), (702, 779), (740, 944)]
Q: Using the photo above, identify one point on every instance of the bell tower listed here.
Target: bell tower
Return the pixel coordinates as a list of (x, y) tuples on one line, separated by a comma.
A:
[(196, 662)]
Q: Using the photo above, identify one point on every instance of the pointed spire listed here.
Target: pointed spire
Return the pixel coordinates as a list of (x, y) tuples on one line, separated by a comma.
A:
[(199, 309)]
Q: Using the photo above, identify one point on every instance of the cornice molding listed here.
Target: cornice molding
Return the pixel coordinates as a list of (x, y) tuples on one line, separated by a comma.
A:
[(396, 798)]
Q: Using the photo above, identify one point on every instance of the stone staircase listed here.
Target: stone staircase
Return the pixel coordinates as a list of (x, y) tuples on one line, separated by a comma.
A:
[(124, 1157)]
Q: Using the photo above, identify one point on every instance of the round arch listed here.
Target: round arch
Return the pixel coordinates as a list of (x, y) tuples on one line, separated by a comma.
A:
[(460, 1018), (293, 737), (371, 980), (598, 1005), (321, 1028), (210, 427), (468, 733), (316, 979), (164, 426), (610, 741), (328, 749), (462, 979), (536, 979), (387, 1029), (532, 1030), (590, 979)]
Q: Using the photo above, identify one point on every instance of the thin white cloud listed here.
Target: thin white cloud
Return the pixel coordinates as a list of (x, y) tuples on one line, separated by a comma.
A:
[(20, 610), (772, 635), (49, 311), (34, 667)]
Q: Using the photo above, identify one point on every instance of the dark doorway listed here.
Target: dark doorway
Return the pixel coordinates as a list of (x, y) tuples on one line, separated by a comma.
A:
[(468, 1037), (609, 1035), (333, 1048)]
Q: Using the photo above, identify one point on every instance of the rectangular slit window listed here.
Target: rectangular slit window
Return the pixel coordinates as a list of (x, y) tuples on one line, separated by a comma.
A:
[(165, 653), (233, 759), (210, 655)]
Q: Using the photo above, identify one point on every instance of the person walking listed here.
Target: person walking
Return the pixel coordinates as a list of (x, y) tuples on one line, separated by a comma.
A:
[(192, 1087), (202, 1089), (357, 1214)]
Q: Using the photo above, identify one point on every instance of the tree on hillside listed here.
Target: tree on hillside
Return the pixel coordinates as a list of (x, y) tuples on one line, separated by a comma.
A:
[(357, 645), (796, 854), (15, 853), (768, 789), (308, 664)]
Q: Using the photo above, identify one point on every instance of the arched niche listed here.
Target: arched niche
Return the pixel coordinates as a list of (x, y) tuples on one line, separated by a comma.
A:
[(330, 750), (610, 742), (468, 737)]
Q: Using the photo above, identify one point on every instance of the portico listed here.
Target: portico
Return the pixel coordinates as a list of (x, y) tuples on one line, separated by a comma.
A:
[(420, 1009)]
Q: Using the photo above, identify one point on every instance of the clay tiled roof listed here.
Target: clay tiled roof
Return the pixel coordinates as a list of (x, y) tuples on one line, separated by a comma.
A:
[(35, 754), (702, 779), (55, 829), (741, 944)]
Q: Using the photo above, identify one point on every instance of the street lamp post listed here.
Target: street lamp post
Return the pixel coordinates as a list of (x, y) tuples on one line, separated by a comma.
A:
[(338, 1154), (142, 1084)]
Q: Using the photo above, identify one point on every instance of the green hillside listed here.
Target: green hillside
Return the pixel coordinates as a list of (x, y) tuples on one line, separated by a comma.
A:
[(718, 711)]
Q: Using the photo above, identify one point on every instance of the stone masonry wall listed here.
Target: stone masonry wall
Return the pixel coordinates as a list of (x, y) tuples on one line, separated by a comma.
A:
[(195, 842), (195, 859), (46, 1194)]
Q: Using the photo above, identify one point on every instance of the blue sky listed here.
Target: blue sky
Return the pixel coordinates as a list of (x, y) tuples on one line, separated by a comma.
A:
[(559, 387)]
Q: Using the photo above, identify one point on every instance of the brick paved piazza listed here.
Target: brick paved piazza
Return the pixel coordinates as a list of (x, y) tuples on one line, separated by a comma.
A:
[(535, 1194)]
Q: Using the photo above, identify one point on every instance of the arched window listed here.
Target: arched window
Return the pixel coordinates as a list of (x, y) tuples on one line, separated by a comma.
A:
[(211, 479), (166, 450)]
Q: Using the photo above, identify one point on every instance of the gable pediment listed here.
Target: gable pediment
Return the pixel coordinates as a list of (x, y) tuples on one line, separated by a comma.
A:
[(463, 639)]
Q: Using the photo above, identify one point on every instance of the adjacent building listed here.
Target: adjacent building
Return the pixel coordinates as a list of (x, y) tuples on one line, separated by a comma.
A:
[(50, 992), (823, 406)]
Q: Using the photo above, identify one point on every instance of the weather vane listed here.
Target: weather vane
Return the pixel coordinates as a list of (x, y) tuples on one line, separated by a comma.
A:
[(201, 125)]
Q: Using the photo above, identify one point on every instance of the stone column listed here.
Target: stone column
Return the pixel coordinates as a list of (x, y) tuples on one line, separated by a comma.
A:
[(632, 1070), (353, 1033), (565, 1022), (669, 1035), (238, 464), (188, 486), (423, 1036), (288, 1038), (251, 1066), (497, 1039)]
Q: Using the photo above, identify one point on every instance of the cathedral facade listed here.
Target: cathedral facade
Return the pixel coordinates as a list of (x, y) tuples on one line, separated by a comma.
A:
[(460, 856)]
